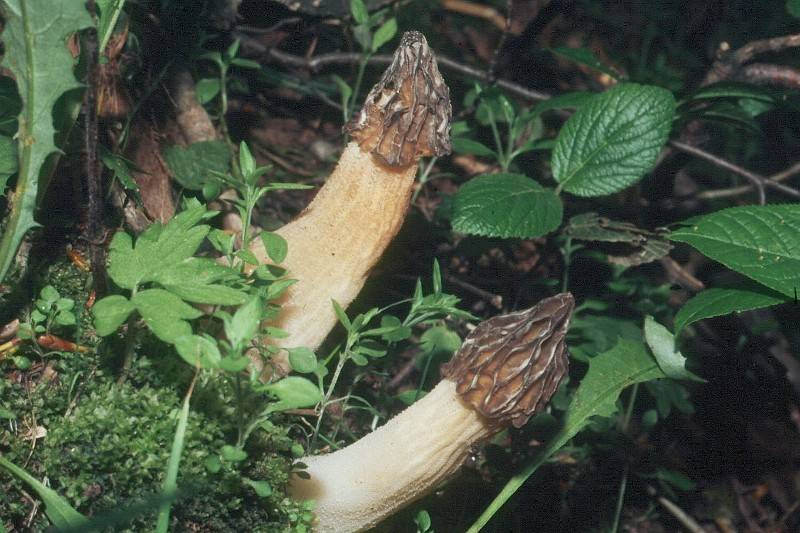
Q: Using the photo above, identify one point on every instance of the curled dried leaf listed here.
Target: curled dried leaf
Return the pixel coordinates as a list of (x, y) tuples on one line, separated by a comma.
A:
[(407, 114), (510, 365)]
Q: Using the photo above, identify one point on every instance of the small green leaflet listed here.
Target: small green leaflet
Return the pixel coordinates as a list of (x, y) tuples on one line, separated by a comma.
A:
[(293, 392), (584, 56), (722, 301), (609, 374), (760, 242), (506, 205), (613, 140)]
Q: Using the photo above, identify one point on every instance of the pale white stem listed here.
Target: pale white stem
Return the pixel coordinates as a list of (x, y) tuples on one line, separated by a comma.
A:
[(416, 451)]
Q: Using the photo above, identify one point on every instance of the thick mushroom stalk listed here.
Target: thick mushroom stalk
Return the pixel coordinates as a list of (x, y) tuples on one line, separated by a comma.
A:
[(338, 238), (505, 372)]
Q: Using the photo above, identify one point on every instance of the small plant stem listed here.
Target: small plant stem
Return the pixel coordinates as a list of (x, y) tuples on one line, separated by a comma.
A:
[(623, 485), (130, 349), (423, 178), (240, 430), (328, 393), (567, 251), (501, 155), (620, 498), (424, 375), (362, 66)]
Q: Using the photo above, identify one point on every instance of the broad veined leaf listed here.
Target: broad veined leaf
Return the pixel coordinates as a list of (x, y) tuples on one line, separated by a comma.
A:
[(613, 140), (165, 313), (723, 301), (506, 205), (110, 313), (35, 38), (608, 375), (761, 242)]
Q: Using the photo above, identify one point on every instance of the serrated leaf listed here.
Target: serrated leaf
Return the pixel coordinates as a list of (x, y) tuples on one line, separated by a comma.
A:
[(198, 351), (613, 140), (761, 242), (8, 161), (662, 344), (462, 145), (608, 375), (165, 313), (584, 56), (505, 205), (10, 106), (198, 163), (58, 510), (35, 38), (723, 301), (208, 294), (110, 313)]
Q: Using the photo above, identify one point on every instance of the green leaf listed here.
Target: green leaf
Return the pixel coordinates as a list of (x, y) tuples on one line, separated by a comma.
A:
[(584, 56), (165, 313), (608, 375), (49, 294), (121, 168), (245, 322), (233, 454), (662, 344), (384, 34), (247, 163), (275, 245), (293, 392), (359, 11), (8, 161), (613, 140), (462, 145), (110, 11), (722, 301), (10, 106), (35, 38), (198, 163), (730, 89), (262, 488), (207, 89), (110, 313), (505, 205), (793, 7), (761, 242), (207, 294), (58, 510), (302, 359), (198, 351), (570, 100), (170, 486), (341, 315)]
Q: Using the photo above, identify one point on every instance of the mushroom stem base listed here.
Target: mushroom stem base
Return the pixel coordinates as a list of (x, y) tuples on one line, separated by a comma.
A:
[(412, 454)]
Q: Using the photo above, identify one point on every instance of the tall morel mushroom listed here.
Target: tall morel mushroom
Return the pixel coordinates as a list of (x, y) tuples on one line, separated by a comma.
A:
[(338, 238), (505, 372)]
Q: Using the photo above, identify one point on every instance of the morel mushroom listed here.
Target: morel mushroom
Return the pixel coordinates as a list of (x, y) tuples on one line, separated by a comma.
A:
[(505, 372), (338, 238)]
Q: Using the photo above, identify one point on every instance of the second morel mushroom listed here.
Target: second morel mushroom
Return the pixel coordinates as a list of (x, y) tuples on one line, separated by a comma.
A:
[(505, 372), (338, 238)]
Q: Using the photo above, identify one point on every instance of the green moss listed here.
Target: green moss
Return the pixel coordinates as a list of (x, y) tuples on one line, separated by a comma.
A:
[(107, 446)]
